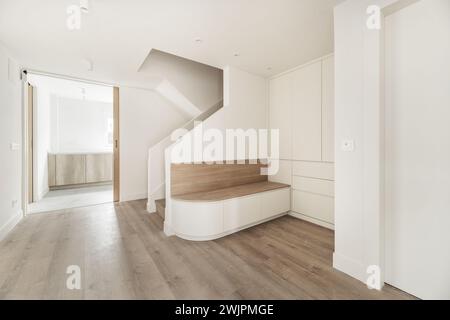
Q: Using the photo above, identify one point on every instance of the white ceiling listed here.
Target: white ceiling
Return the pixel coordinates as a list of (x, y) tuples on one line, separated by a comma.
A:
[(117, 35), (71, 89)]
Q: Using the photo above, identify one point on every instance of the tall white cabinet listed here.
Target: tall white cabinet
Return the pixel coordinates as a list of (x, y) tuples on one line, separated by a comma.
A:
[(302, 108)]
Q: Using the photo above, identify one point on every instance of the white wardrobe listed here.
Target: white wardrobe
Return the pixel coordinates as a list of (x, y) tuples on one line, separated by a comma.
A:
[(302, 108)]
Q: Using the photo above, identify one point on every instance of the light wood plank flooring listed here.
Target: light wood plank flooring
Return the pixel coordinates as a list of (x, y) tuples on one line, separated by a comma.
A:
[(123, 254)]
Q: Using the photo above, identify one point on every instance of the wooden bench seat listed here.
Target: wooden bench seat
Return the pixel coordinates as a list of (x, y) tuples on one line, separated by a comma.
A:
[(231, 192)]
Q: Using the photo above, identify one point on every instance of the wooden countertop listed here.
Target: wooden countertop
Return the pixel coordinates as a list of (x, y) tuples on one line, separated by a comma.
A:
[(232, 192)]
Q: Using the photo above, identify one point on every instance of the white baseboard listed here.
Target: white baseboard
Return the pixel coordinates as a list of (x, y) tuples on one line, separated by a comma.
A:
[(151, 206), (312, 220), (349, 266), (168, 230), (10, 224), (132, 197)]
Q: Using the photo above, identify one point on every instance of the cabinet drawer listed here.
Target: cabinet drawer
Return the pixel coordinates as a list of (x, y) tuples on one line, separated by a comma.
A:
[(275, 202), (313, 205), (198, 219), (240, 212), (319, 186)]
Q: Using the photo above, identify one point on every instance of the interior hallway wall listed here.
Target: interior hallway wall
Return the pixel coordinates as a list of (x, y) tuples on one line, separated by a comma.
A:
[(10, 132), (145, 119)]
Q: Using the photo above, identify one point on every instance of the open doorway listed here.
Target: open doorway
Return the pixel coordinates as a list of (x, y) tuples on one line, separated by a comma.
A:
[(72, 143)]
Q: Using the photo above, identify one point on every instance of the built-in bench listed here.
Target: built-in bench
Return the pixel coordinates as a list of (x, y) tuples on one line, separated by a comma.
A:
[(210, 201)]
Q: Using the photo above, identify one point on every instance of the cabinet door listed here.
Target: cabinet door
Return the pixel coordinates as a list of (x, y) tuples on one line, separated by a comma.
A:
[(98, 168), (280, 112), (240, 212), (328, 109), (51, 170), (275, 202), (306, 113), (70, 169), (313, 205)]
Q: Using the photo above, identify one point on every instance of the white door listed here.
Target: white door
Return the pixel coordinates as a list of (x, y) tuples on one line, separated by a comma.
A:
[(418, 149)]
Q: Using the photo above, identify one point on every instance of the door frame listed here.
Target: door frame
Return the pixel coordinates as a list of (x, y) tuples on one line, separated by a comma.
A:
[(30, 146), (28, 134), (116, 147)]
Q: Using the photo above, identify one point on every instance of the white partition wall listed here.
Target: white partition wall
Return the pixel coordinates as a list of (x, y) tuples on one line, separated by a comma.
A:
[(302, 108), (418, 149)]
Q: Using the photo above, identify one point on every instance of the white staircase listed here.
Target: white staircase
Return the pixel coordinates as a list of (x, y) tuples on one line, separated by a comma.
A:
[(157, 163)]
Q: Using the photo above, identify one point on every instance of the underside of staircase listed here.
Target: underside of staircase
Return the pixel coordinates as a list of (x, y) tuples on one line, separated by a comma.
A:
[(161, 207)]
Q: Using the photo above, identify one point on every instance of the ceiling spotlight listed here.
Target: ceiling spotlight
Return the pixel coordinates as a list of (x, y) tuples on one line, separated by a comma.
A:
[(236, 54), (198, 40), (84, 6)]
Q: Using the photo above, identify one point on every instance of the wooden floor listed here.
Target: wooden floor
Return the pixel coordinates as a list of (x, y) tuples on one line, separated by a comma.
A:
[(123, 254)]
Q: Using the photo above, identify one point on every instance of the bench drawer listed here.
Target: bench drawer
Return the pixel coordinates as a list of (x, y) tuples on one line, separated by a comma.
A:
[(275, 202), (240, 212)]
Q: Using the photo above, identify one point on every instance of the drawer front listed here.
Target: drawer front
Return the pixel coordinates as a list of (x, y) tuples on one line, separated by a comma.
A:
[(275, 202), (240, 212), (319, 186), (198, 219), (321, 170), (313, 205)]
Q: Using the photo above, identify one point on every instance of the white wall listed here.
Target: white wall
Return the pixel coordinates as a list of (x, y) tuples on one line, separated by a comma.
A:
[(42, 141), (80, 125), (145, 119), (359, 218), (245, 102), (418, 149), (201, 84), (10, 132)]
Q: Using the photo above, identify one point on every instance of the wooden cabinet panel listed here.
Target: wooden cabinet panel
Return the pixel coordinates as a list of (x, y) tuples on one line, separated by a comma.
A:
[(51, 170), (306, 113), (313, 205), (240, 212), (99, 168), (280, 112), (328, 109), (70, 169)]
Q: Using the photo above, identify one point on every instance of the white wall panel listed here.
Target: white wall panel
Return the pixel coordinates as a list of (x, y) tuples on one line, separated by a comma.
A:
[(284, 174), (328, 109), (306, 113), (280, 112)]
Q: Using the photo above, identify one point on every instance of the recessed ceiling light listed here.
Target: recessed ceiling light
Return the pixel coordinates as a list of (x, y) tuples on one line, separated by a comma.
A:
[(84, 6), (198, 40), (236, 54)]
